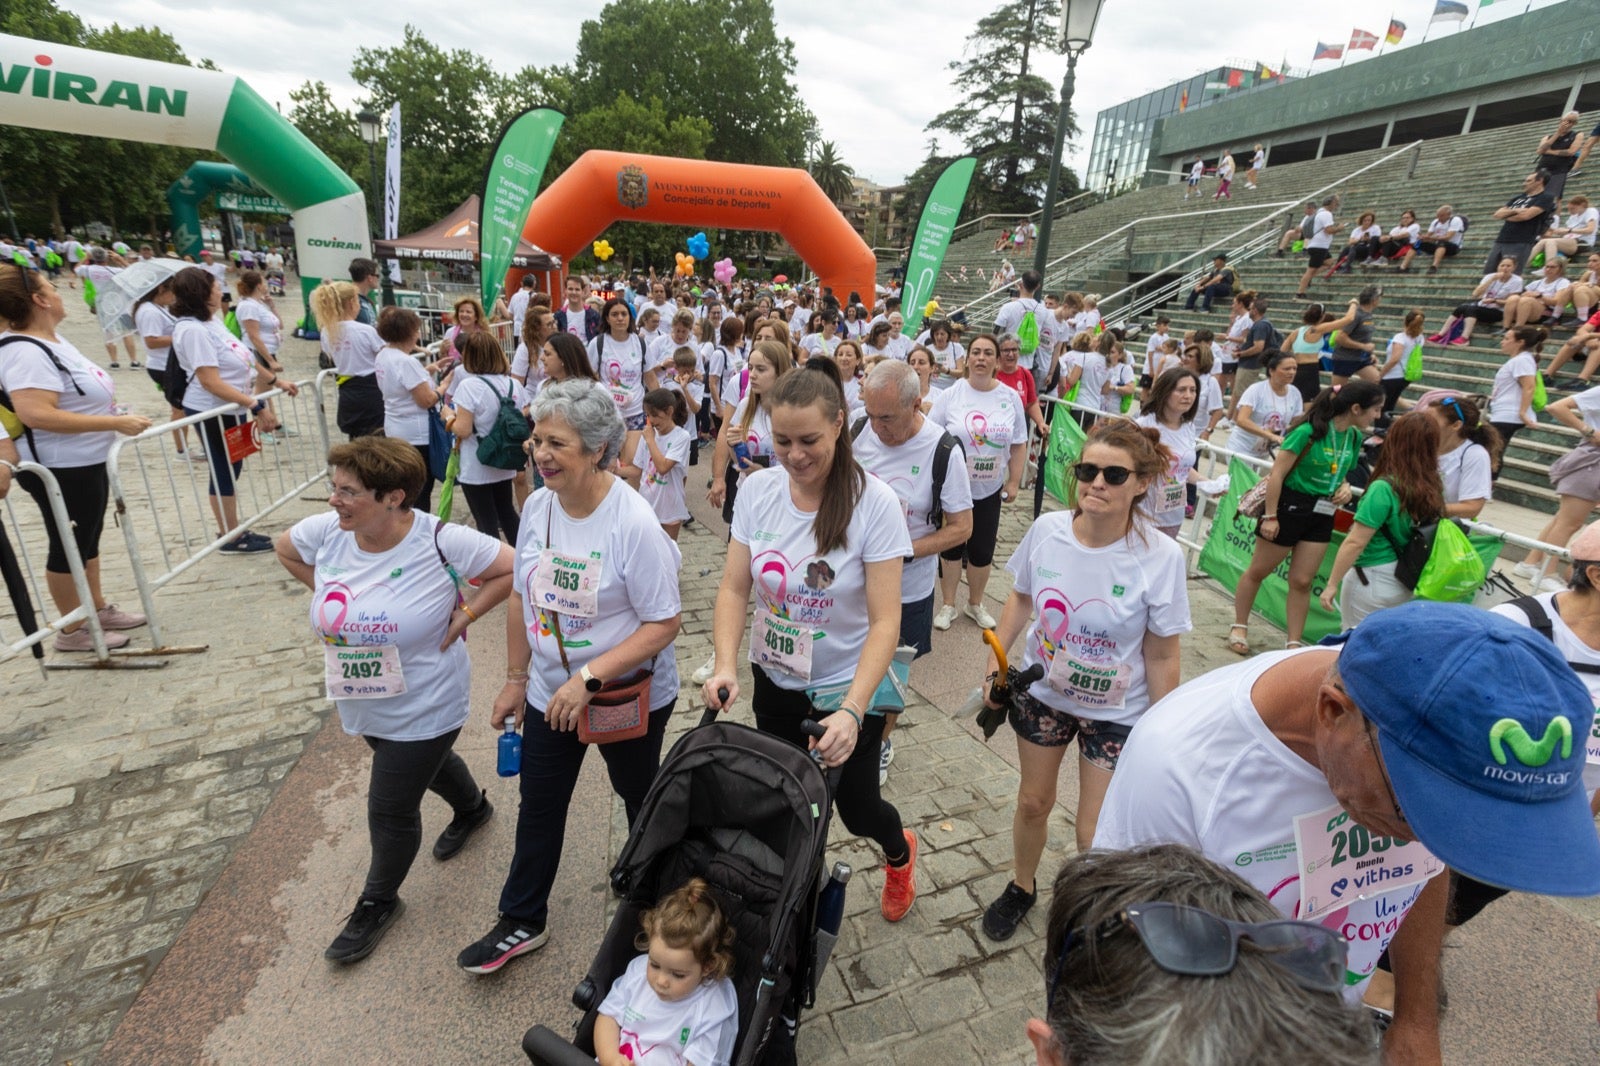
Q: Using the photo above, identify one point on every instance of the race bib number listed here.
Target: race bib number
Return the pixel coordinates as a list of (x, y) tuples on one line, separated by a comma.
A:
[(1342, 862), (983, 467), (781, 644), (363, 673), (1593, 747), (619, 396), (1101, 686), (1172, 494), (569, 584)]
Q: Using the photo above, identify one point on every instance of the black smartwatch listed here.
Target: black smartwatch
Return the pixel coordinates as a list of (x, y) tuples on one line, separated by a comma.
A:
[(590, 682)]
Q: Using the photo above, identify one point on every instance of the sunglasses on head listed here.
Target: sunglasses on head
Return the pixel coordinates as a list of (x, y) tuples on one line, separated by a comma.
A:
[(1087, 472), (1196, 943)]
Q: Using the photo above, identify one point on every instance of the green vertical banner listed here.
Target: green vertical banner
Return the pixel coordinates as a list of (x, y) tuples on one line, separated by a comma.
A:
[(934, 228), (1061, 454), (512, 181), (1232, 542)]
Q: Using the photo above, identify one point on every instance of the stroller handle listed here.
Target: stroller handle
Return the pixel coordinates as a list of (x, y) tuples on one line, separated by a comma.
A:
[(711, 713)]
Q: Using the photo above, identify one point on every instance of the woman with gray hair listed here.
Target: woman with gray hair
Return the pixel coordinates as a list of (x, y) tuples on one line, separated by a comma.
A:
[(596, 589), (1159, 955)]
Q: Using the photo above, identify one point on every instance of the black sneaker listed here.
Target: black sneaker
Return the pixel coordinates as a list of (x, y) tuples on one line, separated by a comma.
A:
[(462, 826), (363, 929), (508, 939), (1001, 919), (247, 543)]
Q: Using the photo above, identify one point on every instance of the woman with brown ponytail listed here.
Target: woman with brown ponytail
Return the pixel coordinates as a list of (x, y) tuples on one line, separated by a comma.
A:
[(820, 544)]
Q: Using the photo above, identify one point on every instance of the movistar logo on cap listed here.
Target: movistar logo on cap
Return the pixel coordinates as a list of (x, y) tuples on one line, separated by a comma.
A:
[(48, 84), (1510, 732)]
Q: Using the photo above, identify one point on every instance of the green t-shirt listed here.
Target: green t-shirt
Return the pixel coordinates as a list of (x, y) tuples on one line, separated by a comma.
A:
[(1380, 509), (1329, 461)]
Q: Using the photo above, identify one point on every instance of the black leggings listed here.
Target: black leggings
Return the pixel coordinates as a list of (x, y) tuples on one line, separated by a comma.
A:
[(402, 770), (1308, 380), (1392, 388), (494, 510), (425, 497), (979, 548), (780, 711), (85, 491)]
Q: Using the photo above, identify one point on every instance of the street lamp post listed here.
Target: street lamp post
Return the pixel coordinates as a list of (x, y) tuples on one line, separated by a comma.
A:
[(1078, 18), (371, 125)]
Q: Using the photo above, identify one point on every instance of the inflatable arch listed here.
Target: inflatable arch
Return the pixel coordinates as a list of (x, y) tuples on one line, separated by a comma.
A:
[(185, 196), (77, 90), (606, 187)]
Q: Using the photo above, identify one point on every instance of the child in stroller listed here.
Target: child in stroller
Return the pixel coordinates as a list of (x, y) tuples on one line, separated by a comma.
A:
[(674, 1004)]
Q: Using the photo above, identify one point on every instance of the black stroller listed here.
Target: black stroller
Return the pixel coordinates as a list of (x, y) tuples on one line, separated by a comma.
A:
[(749, 813)]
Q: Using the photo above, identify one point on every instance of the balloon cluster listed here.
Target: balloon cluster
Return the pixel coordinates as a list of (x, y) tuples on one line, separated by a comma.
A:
[(685, 265), (724, 271), (698, 246), (603, 250)]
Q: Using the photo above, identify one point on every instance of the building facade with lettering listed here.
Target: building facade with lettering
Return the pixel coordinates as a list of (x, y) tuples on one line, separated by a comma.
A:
[(1521, 69)]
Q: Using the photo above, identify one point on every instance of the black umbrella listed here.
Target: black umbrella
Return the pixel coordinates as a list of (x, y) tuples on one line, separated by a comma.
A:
[(17, 587)]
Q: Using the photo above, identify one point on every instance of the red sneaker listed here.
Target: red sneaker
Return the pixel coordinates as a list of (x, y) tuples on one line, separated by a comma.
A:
[(900, 884)]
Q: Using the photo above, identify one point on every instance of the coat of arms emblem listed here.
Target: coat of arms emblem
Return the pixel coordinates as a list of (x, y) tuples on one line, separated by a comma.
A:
[(633, 187)]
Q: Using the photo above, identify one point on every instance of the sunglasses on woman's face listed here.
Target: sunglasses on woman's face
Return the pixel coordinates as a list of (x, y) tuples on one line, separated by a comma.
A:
[(1087, 472)]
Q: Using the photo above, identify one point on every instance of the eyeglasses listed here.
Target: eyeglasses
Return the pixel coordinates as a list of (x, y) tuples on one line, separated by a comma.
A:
[(1196, 943), (1382, 769), (1011, 348), (1087, 472)]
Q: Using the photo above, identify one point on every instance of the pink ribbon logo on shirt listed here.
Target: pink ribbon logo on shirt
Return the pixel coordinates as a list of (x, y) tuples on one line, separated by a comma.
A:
[(772, 578), (332, 610), (978, 428)]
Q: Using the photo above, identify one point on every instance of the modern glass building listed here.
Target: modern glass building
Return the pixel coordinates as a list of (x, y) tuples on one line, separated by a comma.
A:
[(1119, 155)]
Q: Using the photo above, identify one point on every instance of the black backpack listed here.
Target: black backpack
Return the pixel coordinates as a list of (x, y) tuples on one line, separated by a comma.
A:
[(5, 397), (941, 466), (1539, 622)]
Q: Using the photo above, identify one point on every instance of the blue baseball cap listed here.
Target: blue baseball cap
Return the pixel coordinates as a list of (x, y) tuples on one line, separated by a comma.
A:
[(1483, 728)]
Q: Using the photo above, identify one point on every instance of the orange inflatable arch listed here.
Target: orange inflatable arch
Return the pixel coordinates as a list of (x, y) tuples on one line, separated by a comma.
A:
[(606, 187)]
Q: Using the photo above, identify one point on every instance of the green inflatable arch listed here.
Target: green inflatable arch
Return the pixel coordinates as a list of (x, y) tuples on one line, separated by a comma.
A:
[(76, 90), (185, 196)]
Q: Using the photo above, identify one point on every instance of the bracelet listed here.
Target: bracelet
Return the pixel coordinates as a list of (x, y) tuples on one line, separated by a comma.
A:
[(1270, 517), (468, 612), (516, 675), (844, 706)]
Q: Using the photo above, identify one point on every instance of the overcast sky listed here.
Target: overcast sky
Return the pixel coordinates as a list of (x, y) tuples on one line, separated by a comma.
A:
[(873, 72)]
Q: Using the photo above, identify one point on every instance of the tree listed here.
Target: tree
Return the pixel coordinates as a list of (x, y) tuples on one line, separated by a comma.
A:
[(1007, 113), (831, 173)]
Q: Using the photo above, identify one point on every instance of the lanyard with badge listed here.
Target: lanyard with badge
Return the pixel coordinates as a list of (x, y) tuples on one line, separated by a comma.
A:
[(1325, 504)]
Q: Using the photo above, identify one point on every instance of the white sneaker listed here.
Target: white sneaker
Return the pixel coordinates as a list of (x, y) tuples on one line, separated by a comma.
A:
[(1526, 571), (702, 675), (1552, 584), (979, 614), (885, 757), (945, 617)]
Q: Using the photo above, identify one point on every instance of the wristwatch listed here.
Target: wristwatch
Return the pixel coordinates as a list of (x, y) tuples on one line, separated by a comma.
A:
[(261, 405), (590, 682)]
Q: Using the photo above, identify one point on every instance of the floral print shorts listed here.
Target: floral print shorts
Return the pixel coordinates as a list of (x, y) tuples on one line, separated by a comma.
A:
[(1098, 742)]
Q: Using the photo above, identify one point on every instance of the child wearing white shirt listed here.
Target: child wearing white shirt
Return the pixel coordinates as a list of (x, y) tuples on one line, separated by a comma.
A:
[(659, 466)]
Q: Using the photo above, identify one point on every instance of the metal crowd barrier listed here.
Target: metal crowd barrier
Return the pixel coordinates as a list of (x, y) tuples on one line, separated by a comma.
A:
[(162, 501), (28, 604)]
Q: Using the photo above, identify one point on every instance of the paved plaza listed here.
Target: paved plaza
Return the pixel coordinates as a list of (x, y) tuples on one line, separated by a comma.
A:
[(177, 847)]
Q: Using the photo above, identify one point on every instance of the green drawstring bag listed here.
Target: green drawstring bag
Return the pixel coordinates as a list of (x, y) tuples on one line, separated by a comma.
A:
[(1411, 370), (1540, 396), (1454, 569)]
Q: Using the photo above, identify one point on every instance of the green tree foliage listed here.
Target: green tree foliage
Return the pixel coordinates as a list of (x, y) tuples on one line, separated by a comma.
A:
[(1007, 112), (831, 174)]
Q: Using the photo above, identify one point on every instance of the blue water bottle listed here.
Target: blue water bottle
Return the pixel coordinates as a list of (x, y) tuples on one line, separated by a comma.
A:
[(509, 763), (830, 913)]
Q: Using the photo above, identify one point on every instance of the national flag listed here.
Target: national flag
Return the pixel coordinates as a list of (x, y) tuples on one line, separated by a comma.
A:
[(1329, 51), (1216, 86), (1397, 30), (1361, 40), (1267, 73), (1183, 101), (1448, 11), (1235, 78)]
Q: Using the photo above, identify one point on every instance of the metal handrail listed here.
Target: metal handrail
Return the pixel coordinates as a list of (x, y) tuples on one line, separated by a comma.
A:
[(1172, 288), (956, 234)]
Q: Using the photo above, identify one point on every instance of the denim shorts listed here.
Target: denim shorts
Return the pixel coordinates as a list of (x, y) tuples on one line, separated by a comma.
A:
[(1098, 742)]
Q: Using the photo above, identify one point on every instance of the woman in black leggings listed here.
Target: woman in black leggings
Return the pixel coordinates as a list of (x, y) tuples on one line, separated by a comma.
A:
[(820, 544), (485, 380)]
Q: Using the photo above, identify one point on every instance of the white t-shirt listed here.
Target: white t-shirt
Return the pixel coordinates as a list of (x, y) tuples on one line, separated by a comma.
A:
[(621, 366), (1167, 497), (988, 424), (196, 344), (815, 344), (1505, 399), (759, 435), (908, 470), (1406, 342), (1465, 471), (827, 592), (529, 368), (355, 353), (1269, 411), (1320, 237), (700, 1028), (664, 492), (23, 365), (1010, 317), (1195, 172), (696, 390), (1117, 377), (1095, 375), (659, 352), (1225, 168), (152, 320), (1498, 290), (638, 583), (1578, 221), (97, 274), (402, 597), (1549, 287), (1369, 233), (1408, 234), (266, 320), (1574, 651), (1448, 232), (216, 270), (1151, 347), (1202, 769), (481, 395), (518, 306), (274, 262), (1259, 160), (399, 373), (1210, 400), (1227, 348), (1098, 603), (665, 308), (1588, 404)]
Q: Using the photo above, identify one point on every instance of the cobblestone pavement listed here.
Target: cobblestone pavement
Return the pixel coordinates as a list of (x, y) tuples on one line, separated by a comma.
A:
[(135, 821)]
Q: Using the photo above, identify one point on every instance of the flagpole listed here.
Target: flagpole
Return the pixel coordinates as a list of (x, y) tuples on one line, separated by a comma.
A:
[(1385, 42)]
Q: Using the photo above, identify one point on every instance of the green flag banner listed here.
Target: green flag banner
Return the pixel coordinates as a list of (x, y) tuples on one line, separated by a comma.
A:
[(1061, 454), (1232, 542), (938, 221), (515, 170)]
